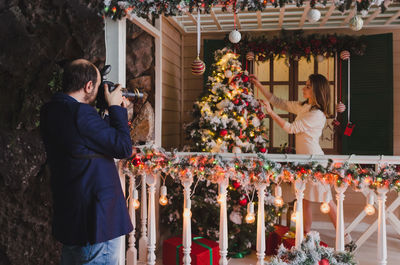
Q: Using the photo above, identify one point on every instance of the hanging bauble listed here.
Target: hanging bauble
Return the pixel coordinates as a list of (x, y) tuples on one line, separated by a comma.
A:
[(263, 150), (313, 15), (340, 107), (223, 132), (344, 55), (243, 201), (198, 67), (364, 13), (236, 150), (250, 56), (228, 73), (235, 36), (356, 23), (245, 78), (320, 58)]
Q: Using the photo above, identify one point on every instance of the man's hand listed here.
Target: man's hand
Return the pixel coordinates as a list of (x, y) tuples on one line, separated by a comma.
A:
[(114, 98)]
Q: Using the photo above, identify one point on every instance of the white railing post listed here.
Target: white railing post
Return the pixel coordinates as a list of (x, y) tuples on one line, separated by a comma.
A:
[(187, 227), (131, 253), (261, 224), (340, 216), (143, 217), (300, 186), (223, 223), (151, 247), (382, 242)]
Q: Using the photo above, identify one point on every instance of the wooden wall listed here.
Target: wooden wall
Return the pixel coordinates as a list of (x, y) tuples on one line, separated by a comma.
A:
[(172, 42)]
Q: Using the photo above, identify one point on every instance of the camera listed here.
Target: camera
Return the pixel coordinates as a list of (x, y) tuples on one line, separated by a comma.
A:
[(101, 102)]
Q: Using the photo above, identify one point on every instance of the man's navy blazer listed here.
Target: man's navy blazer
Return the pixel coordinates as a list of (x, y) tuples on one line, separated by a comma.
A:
[(89, 206)]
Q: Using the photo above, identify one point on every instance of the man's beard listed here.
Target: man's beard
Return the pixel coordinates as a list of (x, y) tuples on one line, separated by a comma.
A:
[(91, 98)]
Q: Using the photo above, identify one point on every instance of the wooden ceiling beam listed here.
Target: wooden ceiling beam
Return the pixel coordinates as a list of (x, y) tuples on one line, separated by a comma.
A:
[(259, 19), (214, 17), (394, 17), (327, 15), (349, 16), (304, 16), (281, 17), (373, 16)]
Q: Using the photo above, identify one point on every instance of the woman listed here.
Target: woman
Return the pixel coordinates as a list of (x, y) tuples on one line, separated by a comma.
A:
[(308, 126)]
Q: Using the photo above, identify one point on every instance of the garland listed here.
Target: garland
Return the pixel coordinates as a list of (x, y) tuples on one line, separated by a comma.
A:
[(295, 45), (250, 172), (118, 9)]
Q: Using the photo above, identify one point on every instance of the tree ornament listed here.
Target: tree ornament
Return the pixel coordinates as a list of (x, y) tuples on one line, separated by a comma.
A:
[(228, 74), (369, 208), (263, 149), (250, 56), (136, 203), (325, 208), (320, 58), (245, 78), (356, 23), (278, 201), (235, 36), (198, 67), (313, 15), (340, 107), (345, 55), (236, 184), (236, 150), (223, 132), (243, 201), (136, 161), (163, 196)]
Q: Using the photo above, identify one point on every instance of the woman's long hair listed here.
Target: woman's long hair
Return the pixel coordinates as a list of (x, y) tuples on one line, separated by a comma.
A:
[(321, 92)]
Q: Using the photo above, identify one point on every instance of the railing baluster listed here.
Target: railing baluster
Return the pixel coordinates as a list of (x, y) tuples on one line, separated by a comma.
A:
[(131, 253), (340, 216), (143, 238), (300, 186), (187, 229), (223, 224), (382, 242), (260, 224), (151, 247)]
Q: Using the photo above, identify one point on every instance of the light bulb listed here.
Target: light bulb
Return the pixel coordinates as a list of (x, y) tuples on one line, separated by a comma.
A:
[(369, 209), (187, 213), (163, 200), (278, 201), (220, 198), (325, 208), (293, 217), (136, 204), (250, 218)]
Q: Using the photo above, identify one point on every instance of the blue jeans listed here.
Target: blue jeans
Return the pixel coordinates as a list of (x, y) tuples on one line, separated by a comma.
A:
[(104, 253)]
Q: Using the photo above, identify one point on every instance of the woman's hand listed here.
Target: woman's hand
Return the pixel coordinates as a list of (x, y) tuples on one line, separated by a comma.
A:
[(267, 106), (254, 80)]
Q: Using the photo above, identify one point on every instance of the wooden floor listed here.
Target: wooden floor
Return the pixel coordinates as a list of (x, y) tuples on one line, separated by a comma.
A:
[(365, 254)]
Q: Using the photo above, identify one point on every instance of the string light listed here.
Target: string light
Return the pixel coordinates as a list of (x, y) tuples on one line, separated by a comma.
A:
[(163, 198), (136, 203), (369, 208), (250, 217), (278, 196), (325, 208)]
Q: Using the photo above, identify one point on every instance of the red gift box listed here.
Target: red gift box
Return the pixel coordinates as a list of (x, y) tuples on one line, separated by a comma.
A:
[(203, 251), (274, 239)]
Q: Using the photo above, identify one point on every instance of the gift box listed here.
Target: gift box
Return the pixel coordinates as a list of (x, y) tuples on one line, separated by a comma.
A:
[(289, 240), (203, 251), (274, 239)]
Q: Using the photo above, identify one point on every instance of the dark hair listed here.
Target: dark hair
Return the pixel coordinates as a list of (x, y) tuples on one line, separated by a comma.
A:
[(321, 92), (76, 74)]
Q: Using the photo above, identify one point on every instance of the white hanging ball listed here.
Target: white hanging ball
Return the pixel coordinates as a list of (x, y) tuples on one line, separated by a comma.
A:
[(320, 58), (313, 15), (228, 74), (236, 150), (364, 13), (356, 23), (235, 36)]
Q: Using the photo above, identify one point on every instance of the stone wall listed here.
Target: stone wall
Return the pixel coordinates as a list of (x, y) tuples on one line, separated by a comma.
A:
[(37, 36)]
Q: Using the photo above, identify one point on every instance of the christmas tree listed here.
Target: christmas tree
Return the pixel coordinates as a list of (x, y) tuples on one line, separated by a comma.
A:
[(228, 117)]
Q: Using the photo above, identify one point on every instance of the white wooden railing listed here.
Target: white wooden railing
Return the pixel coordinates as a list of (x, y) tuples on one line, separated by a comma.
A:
[(380, 224)]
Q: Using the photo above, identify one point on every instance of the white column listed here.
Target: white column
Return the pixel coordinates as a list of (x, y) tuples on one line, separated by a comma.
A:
[(187, 229), (261, 224), (115, 41), (223, 223), (115, 35), (382, 242), (143, 238), (131, 253), (151, 247), (340, 216), (300, 186)]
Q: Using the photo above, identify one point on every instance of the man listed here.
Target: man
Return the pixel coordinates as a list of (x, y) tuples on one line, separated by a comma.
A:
[(90, 213)]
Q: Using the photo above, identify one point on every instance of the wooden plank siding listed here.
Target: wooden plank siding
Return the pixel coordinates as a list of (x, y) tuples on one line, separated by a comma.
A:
[(172, 42)]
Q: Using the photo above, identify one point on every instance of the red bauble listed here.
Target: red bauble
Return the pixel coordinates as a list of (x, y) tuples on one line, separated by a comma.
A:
[(236, 101), (243, 202), (236, 185), (247, 104), (263, 149), (323, 262), (136, 161), (223, 132), (245, 78)]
